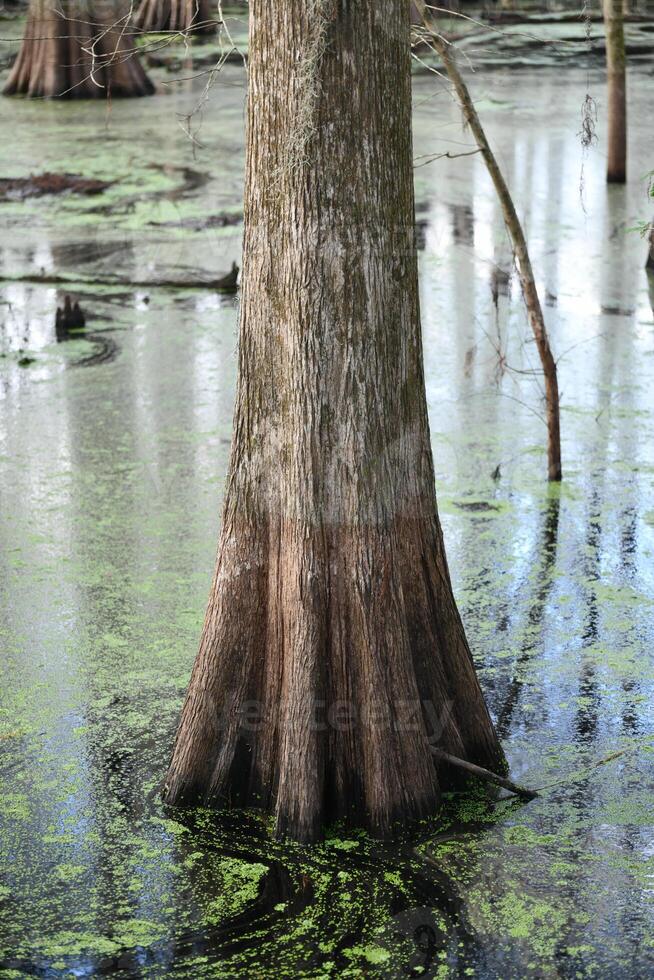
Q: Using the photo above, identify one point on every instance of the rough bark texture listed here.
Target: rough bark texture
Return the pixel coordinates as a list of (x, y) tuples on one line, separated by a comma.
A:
[(332, 651), (616, 69), (184, 16), (523, 262), (70, 52)]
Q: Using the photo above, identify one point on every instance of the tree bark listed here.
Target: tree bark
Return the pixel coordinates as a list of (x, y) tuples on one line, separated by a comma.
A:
[(70, 53), (332, 654), (523, 262), (183, 16), (650, 255), (616, 65)]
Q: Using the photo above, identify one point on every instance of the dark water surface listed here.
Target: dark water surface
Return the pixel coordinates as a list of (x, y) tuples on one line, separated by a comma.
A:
[(113, 450)]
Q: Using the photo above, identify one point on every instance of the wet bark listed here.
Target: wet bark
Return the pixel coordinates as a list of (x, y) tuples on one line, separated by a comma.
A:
[(183, 16), (616, 65), (70, 52), (523, 261), (332, 654)]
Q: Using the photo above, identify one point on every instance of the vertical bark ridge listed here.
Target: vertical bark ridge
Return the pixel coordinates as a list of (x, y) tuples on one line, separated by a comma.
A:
[(301, 760)]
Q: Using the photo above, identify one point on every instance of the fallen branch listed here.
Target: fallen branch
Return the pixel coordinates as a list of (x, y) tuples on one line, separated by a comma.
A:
[(485, 774), (583, 773), (217, 285), (518, 241)]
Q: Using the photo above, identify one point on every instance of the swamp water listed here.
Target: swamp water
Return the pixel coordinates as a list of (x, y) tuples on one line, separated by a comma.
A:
[(113, 451)]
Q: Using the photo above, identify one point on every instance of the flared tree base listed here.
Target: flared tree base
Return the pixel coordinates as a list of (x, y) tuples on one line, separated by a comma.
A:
[(182, 16), (55, 61), (329, 665)]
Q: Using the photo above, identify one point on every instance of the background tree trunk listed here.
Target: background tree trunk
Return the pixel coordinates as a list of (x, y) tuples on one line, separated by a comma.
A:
[(616, 65), (69, 52), (185, 16), (332, 654), (650, 257)]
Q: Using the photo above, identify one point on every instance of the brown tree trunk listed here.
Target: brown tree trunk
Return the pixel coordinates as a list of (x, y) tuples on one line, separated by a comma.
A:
[(333, 653), (616, 65), (523, 262), (69, 52), (650, 255), (183, 16)]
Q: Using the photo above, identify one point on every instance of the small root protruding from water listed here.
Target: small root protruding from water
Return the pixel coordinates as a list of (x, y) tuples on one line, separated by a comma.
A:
[(69, 318)]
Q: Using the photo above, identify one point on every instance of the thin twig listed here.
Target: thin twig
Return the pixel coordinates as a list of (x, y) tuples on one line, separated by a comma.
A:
[(440, 156)]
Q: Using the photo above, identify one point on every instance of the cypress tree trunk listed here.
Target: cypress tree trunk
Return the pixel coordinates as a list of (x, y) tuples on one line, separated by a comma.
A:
[(70, 52), (333, 653), (184, 16), (616, 64)]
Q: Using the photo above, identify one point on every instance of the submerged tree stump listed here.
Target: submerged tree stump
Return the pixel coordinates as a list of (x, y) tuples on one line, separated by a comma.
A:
[(184, 16), (71, 52)]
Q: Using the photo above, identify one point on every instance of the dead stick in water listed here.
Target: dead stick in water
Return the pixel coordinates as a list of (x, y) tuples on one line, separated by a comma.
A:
[(489, 777), (516, 234)]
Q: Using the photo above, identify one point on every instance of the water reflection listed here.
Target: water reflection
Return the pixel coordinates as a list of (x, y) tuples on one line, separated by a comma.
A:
[(110, 479), (540, 579)]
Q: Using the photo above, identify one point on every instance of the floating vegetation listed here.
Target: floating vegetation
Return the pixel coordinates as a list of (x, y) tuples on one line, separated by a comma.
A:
[(110, 480)]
